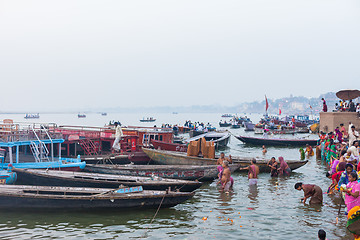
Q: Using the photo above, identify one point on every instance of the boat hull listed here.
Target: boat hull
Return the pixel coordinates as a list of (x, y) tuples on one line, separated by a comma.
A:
[(276, 142), (28, 177), (201, 173), (28, 197), (167, 157), (169, 146)]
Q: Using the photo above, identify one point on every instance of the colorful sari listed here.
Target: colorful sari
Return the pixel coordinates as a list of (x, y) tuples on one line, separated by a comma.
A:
[(351, 201), (331, 153), (284, 169)]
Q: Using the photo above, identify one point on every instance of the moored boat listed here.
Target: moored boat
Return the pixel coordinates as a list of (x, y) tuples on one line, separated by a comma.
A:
[(276, 141), (185, 172), (249, 126), (167, 157), (84, 179), (7, 176), (224, 124), (44, 197), (169, 146), (34, 148), (221, 139)]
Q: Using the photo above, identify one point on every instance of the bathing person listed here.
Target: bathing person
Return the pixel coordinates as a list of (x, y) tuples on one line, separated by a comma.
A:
[(273, 167), (284, 169), (264, 151), (311, 191), (253, 172), (225, 177)]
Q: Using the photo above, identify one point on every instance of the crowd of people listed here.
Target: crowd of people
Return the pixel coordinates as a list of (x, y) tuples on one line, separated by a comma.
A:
[(199, 126), (339, 150), (342, 106), (349, 106)]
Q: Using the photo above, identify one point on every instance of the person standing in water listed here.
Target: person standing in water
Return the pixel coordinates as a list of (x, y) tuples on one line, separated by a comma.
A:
[(264, 151), (226, 177), (273, 165), (311, 191), (253, 172)]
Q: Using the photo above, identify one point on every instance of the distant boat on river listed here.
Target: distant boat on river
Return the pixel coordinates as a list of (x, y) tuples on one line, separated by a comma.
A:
[(28, 115), (149, 119)]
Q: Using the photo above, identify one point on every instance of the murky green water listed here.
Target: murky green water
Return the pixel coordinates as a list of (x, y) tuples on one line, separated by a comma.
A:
[(272, 210)]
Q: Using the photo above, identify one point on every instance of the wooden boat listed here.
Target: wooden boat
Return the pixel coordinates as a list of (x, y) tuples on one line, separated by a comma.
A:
[(235, 125), (221, 139), (109, 158), (276, 141), (224, 124), (169, 158), (169, 146), (150, 119), (185, 172), (29, 115), (194, 133), (44, 197), (38, 140), (7, 176), (283, 131), (249, 126), (83, 179)]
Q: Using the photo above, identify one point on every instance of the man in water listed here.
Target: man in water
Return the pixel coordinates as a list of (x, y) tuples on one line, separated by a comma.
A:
[(253, 172), (264, 151), (311, 191), (225, 177)]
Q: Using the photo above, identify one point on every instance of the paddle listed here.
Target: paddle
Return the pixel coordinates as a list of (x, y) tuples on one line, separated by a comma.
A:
[(337, 218)]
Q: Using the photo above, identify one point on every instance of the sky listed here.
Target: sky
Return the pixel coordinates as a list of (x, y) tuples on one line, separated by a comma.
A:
[(80, 54)]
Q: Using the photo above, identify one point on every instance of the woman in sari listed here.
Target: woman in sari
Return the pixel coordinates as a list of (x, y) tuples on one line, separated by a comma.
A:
[(274, 167), (311, 191), (344, 178), (335, 177), (352, 191), (331, 154), (284, 169), (338, 134)]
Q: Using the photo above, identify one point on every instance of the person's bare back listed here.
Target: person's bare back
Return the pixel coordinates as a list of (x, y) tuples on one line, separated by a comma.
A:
[(225, 175)]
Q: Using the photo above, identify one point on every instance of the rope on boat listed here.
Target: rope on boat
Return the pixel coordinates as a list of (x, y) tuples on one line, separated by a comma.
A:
[(146, 230)]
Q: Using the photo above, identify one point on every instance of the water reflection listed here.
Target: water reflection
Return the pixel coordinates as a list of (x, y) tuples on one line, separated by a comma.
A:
[(253, 193)]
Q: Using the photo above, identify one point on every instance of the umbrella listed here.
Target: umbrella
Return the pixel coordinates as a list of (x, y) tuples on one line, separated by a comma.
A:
[(348, 94)]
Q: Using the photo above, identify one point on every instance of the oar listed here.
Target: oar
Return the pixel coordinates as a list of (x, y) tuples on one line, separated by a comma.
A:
[(337, 218)]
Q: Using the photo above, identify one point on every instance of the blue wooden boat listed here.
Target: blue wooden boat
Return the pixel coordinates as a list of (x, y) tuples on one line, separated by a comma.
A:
[(75, 198), (7, 176), (34, 147)]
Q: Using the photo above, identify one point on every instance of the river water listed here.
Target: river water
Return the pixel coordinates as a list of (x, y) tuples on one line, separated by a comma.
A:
[(270, 210)]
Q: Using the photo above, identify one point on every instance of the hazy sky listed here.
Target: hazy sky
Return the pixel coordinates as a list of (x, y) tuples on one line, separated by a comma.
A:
[(70, 54)]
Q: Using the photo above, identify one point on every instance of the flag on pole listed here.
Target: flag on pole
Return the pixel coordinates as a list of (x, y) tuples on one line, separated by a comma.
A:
[(267, 103), (279, 111)]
